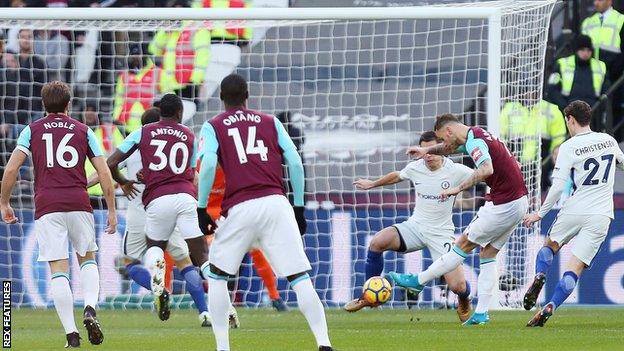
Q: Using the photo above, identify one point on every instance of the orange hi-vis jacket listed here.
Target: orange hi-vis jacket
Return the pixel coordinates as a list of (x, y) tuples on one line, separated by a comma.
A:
[(136, 94)]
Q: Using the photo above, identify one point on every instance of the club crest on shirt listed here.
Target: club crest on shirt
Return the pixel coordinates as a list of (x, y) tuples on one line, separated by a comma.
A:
[(445, 185), (476, 154)]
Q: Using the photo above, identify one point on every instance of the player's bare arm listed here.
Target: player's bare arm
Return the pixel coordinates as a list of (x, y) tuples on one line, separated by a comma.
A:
[(113, 165), (8, 182), (388, 179), (554, 193), (480, 174), (129, 190), (93, 180), (109, 191), (439, 149)]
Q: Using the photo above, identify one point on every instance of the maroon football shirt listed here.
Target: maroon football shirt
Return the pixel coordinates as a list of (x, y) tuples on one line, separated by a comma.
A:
[(59, 146), (167, 154), (249, 154), (506, 183)]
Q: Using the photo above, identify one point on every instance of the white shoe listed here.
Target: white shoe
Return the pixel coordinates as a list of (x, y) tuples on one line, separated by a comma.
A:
[(204, 319), (158, 279), (234, 321)]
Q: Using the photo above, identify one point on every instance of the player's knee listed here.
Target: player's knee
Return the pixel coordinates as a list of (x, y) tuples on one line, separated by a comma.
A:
[(130, 261), (217, 271), (294, 277), (377, 245), (464, 244), (488, 252), (553, 245), (198, 250), (183, 263), (457, 286), (158, 243)]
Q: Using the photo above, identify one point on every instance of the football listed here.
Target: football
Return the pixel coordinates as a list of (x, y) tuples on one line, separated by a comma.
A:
[(377, 290)]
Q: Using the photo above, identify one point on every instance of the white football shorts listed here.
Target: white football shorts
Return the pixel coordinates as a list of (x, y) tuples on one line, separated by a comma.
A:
[(590, 232), (438, 243), (166, 212), (134, 244), (267, 223), (56, 230), (493, 224)]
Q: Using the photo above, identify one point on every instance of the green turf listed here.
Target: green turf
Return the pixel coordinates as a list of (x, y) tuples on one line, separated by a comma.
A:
[(570, 329)]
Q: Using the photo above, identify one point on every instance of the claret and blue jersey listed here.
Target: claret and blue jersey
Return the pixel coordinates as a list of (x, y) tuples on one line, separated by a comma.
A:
[(506, 183), (250, 147)]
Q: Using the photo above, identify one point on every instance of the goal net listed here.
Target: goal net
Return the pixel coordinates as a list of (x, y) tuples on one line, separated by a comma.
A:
[(354, 88)]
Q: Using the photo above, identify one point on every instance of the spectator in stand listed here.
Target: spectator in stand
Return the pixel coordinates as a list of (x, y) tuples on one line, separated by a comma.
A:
[(135, 90), (185, 56), (54, 48), (11, 37), (226, 45), (578, 76), (606, 29), (9, 95), (32, 71)]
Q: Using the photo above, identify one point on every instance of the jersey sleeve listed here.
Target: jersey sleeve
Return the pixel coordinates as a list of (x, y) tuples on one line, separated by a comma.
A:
[(23, 141), (461, 173), (208, 142), (564, 164), (293, 161), (94, 147), (207, 153), (478, 150), (130, 142), (408, 171), (194, 155)]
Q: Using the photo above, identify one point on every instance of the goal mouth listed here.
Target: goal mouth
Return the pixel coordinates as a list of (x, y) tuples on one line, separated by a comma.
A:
[(358, 84)]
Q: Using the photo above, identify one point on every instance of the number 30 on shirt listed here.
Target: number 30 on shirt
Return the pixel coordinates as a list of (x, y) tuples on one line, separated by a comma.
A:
[(171, 159)]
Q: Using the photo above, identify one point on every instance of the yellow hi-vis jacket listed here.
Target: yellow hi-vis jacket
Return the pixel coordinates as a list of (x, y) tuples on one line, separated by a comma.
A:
[(185, 57), (109, 138)]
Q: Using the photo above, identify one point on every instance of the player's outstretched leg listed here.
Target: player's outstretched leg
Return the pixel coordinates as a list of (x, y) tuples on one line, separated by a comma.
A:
[(446, 263), (564, 289), (64, 302), (384, 240), (90, 283), (542, 265), (311, 307)]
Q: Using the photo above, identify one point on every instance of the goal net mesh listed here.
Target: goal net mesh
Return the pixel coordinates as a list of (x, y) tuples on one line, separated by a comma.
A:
[(353, 95)]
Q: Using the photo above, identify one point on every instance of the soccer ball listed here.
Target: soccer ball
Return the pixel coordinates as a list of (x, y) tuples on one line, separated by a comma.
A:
[(376, 291)]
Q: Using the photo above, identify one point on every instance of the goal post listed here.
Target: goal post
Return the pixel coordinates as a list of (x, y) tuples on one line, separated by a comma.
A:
[(358, 85)]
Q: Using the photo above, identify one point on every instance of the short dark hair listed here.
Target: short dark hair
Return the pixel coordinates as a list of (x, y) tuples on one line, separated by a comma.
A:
[(151, 115), (580, 111), (56, 96), (445, 119), (427, 136), (234, 90), (170, 105)]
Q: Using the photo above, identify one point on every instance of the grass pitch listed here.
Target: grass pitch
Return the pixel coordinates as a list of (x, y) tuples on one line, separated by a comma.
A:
[(134, 330)]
